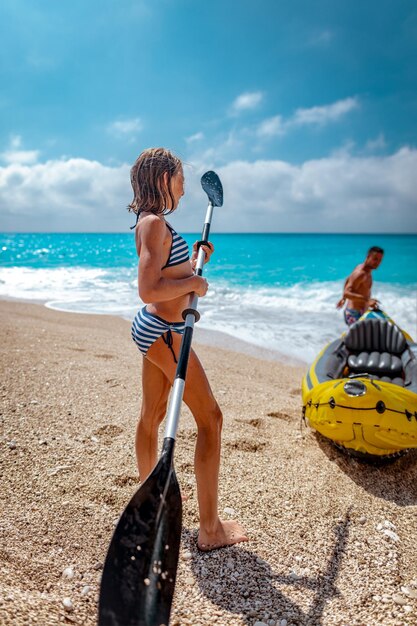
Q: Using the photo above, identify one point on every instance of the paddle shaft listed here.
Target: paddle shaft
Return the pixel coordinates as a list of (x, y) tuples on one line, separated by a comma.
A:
[(191, 316)]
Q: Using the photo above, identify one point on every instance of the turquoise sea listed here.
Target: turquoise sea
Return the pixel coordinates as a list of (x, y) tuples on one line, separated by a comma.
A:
[(276, 291)]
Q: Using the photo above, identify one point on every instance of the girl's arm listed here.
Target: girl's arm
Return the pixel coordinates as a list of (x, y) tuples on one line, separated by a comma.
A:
[(153, 287)]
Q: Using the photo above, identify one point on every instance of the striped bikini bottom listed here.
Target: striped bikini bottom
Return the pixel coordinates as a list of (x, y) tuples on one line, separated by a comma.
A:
[(147, 328)]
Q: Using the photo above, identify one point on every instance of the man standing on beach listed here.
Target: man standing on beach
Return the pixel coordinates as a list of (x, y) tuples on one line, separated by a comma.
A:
[(357, 289)]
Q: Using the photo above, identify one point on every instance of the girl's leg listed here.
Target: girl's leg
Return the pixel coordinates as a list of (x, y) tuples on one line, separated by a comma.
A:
[(198, 395), (155, 390)]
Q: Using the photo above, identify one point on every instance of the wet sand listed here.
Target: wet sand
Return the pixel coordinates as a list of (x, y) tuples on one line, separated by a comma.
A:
[(319, 551)]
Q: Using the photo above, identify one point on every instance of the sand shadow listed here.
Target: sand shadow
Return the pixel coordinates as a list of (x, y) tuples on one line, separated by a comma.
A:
[(258, 595), (395, 481)]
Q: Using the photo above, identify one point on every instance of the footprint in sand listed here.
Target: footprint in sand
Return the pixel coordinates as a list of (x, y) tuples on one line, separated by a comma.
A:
[(123, 481), (104, 356), (245, 446), (109, 429), (108, 432), (186, 467), (107, 498), (187, 435), (281, 416), (112, 382), (256, 422)]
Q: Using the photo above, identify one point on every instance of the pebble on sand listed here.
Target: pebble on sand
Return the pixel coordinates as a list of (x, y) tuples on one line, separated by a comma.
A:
[(68, 605), (390, 525), (68, 573), (409, 591), (399, 599), (58, 469), (228, 510), (391, 534)]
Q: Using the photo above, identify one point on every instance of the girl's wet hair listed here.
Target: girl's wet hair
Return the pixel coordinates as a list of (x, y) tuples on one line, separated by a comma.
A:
[(150, 193)]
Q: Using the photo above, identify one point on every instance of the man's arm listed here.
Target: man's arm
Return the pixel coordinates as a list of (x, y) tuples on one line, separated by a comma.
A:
[(342, 299)]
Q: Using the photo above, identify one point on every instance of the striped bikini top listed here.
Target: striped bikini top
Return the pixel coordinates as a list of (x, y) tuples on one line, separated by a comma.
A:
[(179, 249)]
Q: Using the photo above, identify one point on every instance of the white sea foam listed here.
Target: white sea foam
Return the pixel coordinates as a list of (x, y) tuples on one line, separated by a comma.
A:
[(77, 289), (294, 320), (297, 320)]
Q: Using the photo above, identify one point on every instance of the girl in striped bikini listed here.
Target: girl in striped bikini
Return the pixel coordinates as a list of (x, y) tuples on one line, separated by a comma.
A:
[(165, 280)]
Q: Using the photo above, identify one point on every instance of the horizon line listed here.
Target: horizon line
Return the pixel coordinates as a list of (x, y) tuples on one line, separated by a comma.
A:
[(193, 232)]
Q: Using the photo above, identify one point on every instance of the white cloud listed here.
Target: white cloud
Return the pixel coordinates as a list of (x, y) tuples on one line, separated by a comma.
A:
[(379, 143), (20, 156), (344, 150), (196, 137), (15, 141), (67, 195), (321, 115), (340, 193), (246, 101), (14, 155), (123, 129), (313, 116), (223, 148), (271, 127)]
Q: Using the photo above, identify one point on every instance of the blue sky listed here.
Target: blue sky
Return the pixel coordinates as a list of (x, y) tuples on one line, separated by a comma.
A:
[(307, 110)]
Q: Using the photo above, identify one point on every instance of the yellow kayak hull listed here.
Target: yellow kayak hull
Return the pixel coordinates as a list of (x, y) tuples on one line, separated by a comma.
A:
[(355, 423), (381, 421)]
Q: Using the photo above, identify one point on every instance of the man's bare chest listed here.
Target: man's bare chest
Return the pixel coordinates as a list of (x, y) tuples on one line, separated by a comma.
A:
[(365, 282)]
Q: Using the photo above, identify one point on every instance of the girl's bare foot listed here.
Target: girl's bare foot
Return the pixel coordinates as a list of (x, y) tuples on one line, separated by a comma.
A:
[(227, 533)]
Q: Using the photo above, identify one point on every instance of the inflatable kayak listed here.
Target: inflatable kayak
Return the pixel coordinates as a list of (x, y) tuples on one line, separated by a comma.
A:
[(361, 391)]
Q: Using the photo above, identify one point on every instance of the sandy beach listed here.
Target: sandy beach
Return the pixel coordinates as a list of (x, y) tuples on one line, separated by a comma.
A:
[(332, 542)]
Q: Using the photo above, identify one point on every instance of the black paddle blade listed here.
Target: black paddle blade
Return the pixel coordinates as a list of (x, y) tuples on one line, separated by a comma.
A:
[(139, 573), (211, 184)]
